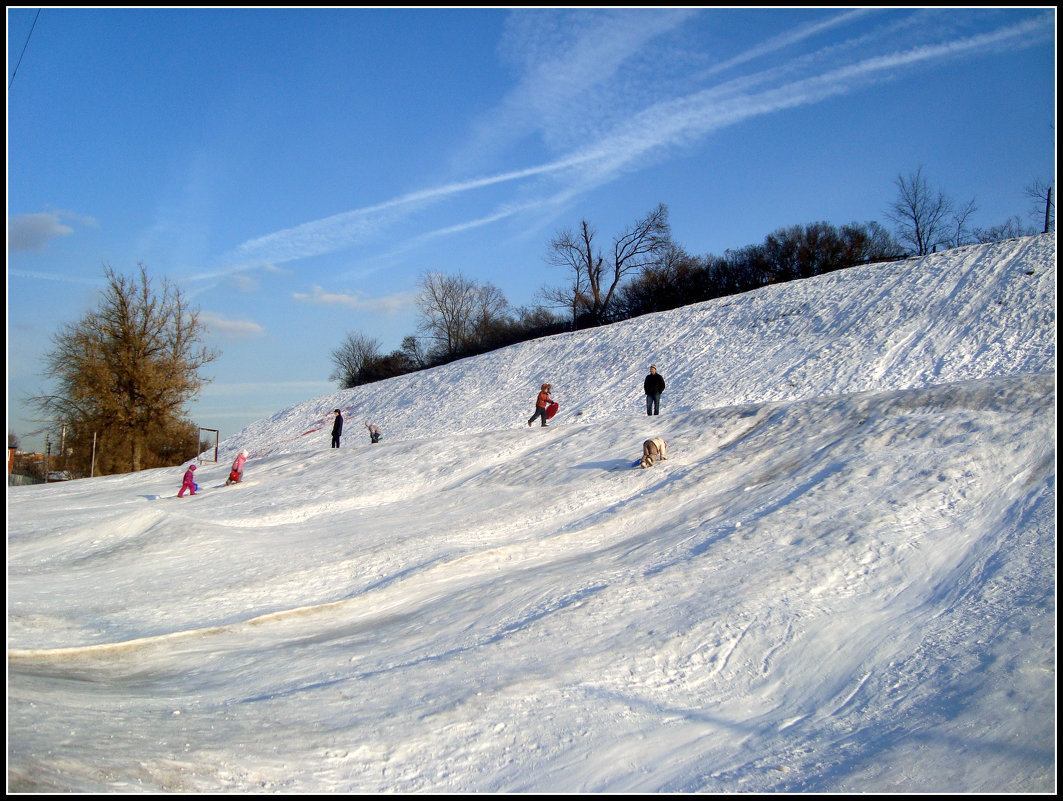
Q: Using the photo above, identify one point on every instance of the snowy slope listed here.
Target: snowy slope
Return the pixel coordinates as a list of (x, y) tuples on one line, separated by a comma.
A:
[(967, 313), (841, 580)]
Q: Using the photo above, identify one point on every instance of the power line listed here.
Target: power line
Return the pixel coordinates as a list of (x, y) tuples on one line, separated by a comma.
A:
[(20, 55)]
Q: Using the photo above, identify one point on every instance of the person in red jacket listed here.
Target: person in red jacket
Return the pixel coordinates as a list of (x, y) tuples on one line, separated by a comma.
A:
[(541, 403)]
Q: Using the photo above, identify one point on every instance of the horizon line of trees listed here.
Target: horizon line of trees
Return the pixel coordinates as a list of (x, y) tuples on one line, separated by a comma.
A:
[(645, 271), (460, 317)]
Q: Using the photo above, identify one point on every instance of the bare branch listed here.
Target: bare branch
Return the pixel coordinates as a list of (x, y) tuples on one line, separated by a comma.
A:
[(591, 288)]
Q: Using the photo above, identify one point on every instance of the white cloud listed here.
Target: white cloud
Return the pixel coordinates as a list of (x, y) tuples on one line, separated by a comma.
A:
[(789, 38), (389, 304), (239, 329), (257, 388), (242, 282), (634, 138), (569, 61), (67, 279), (34, 231), (342, 230), (681, 120)]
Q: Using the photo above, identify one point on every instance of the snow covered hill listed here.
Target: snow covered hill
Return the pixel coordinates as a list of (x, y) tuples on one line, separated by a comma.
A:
[(841, 580), (971, 312)]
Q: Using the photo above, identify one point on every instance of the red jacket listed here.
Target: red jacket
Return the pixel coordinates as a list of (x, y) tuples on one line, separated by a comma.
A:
[(543, 400)]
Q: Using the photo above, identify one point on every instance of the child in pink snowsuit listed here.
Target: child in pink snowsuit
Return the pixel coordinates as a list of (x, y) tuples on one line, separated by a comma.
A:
[(188, 484), (236, 474)]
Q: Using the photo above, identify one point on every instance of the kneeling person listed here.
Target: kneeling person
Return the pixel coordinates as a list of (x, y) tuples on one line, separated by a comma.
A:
[(653, 450)]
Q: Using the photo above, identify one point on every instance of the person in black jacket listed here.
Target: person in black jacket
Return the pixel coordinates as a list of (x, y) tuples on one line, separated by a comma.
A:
[(654, 386), (337, 429)]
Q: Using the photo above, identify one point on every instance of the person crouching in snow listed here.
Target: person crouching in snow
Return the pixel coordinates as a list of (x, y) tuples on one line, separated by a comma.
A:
[(236, 475), (653, 450), (374, 432), (188, 484)]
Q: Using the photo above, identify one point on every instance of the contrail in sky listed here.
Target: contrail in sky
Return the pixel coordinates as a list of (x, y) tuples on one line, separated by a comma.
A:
[(663, 124), (332, 233)]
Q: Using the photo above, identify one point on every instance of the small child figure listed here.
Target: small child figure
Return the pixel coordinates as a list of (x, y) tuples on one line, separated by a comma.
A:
[(188, 483), (541, 402), (653, 450), (374, 432), (236, 475)]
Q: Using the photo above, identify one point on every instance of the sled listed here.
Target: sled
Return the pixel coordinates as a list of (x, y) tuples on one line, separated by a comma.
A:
[(551, 410)]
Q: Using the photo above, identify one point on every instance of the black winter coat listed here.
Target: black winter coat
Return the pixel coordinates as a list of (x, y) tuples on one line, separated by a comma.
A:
[(654, 384)]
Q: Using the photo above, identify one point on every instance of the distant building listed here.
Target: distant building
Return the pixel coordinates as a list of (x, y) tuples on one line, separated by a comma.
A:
[(25, 468)]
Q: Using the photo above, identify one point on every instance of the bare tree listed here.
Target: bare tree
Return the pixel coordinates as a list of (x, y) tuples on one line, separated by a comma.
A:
[(458, 313), (1009, 229), (445, 306), (592, 285), (415, 353), (578, 254), (641, 245), (961, 234), (868, 242), (128, 368), (490, 313), (1041, 192), (926, 219), (352, 357)]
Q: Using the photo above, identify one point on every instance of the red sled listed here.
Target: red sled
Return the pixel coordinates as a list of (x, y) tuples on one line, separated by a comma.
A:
[(551, 410)]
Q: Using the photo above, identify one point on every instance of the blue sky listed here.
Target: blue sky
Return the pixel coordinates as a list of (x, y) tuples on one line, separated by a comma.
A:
[(295, 172)]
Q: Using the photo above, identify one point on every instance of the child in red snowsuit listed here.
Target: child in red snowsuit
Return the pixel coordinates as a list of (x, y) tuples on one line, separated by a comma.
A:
[(188, 484)]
